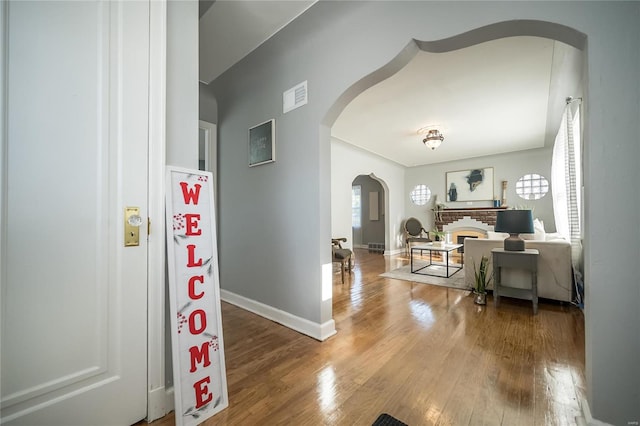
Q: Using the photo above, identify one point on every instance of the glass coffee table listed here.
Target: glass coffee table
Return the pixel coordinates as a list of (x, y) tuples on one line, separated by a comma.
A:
[(443, 269)]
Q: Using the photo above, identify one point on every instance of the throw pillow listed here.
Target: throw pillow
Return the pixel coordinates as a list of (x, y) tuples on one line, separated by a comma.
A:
[(539, 233), (496, 235)]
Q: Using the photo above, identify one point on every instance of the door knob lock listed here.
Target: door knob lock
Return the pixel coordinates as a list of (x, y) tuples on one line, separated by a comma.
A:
[(132, 222)]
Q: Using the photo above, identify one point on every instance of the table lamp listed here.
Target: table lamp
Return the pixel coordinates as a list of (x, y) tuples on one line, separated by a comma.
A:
[(514, 222)]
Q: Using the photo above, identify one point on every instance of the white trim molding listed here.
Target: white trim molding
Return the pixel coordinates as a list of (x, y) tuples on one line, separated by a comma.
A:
[(393, 252), (157, 406), (586, 419), (319, 332)]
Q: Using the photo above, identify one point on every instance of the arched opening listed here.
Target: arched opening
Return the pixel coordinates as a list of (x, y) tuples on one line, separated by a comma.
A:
[(369, 212), (496, 31)]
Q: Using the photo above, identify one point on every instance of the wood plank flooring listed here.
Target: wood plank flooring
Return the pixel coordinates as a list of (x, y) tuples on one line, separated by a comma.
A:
[(427, 355)]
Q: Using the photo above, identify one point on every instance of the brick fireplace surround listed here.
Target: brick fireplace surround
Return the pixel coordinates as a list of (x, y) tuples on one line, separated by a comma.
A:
[(466, 223), (486, 215)]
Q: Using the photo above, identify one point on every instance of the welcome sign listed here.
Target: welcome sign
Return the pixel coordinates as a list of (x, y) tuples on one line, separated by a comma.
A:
[(199, 374)]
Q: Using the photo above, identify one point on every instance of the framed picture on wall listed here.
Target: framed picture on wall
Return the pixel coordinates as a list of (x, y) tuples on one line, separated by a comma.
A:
[(470, 185), (262, 143)]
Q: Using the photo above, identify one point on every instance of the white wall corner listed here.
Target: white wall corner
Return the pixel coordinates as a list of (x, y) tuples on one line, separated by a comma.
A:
[(317, 331), (587, 419), (327, 329)]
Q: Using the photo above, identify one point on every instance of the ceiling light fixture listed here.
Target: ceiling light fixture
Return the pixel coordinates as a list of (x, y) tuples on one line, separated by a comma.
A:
[(433, 137)]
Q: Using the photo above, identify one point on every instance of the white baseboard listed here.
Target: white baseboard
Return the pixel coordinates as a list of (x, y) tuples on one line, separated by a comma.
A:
[(157, 404), (317, 331), (392, 252), (587, 419), (169, 400)]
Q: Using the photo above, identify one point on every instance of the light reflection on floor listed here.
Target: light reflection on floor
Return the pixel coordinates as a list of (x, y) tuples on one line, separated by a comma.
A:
[(327, 388), (422, 313), (559, 379)]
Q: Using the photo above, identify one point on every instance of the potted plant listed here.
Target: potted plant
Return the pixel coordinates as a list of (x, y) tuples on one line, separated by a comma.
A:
[(483, 276), (439, 237)]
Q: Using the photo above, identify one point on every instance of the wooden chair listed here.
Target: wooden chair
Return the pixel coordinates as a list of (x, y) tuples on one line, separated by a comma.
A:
[(341, 255), (415, 233)]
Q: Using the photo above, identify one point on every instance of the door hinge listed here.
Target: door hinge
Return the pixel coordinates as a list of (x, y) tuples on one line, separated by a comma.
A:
[(148, 226)]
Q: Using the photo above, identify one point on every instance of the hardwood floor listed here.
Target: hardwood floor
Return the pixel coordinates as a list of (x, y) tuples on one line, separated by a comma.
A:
[(427, 355)]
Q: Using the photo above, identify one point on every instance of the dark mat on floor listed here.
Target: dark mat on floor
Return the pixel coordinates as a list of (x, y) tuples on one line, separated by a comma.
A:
[(386, 420)]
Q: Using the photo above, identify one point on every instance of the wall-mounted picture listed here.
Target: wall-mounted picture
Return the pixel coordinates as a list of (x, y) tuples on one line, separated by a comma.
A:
[(262, 143), (470, 185)]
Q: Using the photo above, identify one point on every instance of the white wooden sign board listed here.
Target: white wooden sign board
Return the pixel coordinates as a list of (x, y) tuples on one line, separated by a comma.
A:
[(199, 374)]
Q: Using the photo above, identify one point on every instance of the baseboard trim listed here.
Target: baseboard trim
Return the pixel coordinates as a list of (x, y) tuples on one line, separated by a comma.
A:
[(169, 401), (392, 252), (319, 332), (157, 404), (587, 419)]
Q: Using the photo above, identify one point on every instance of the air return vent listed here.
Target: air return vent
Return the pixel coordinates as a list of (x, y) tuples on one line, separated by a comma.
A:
[(294, 97)]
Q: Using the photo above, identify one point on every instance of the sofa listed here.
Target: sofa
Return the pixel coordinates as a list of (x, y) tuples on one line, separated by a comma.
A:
[(554, 265)]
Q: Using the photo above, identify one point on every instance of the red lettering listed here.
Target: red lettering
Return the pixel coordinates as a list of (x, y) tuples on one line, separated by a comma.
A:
[(192, 224), (192, 290), (202, 390), (190, 194), (198, 355), (192, 321), (191, 252)]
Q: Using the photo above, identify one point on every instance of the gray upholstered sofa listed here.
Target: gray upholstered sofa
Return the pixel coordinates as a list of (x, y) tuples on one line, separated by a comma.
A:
[(554, 266)]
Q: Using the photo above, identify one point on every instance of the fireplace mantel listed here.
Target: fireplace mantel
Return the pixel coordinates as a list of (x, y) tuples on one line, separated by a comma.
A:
[(465, 209)]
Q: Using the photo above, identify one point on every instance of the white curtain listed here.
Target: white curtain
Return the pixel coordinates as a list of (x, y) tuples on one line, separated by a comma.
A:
[(566, 186)]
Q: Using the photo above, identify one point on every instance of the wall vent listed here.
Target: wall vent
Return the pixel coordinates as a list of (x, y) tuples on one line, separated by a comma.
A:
[(294, 97), (376, 247)]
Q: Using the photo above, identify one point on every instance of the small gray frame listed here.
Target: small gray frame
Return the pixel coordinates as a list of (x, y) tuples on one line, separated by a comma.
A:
[(262, 143)]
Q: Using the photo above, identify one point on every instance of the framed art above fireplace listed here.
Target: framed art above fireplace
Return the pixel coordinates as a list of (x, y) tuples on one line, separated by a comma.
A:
[(470, 185)]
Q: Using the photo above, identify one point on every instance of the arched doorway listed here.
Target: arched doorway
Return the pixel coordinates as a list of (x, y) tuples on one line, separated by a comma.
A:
[(368, 213)]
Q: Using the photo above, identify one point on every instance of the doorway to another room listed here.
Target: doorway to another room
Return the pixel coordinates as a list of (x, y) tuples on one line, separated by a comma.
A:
[(368, 214)]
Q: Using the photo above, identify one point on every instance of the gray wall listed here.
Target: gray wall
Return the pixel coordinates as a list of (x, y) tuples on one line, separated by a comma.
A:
[(182, 84), (509, 167), (372, 231), (275, 219)]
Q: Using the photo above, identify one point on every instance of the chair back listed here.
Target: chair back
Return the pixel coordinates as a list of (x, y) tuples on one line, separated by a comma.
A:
[(413, 227)]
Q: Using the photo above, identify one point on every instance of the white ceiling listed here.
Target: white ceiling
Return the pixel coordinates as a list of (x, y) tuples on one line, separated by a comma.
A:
[(231, 29), (495, 97), (485, 99)]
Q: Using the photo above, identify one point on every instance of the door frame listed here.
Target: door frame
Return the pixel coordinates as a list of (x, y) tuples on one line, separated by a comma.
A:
[(158, 398), (4, 29), (211, 152)]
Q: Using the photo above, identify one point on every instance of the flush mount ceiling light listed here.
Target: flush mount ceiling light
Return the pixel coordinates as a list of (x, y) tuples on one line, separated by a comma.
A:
[(433, 138)]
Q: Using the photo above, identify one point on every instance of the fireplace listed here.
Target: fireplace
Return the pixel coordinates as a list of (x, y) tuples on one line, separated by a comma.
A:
[(474, 218), (466, 223)]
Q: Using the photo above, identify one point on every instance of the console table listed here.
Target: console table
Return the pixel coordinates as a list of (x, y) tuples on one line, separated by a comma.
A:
[(528, 260)]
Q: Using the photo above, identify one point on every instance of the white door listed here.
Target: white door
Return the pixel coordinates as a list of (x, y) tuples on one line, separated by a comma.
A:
[(74, 323)]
